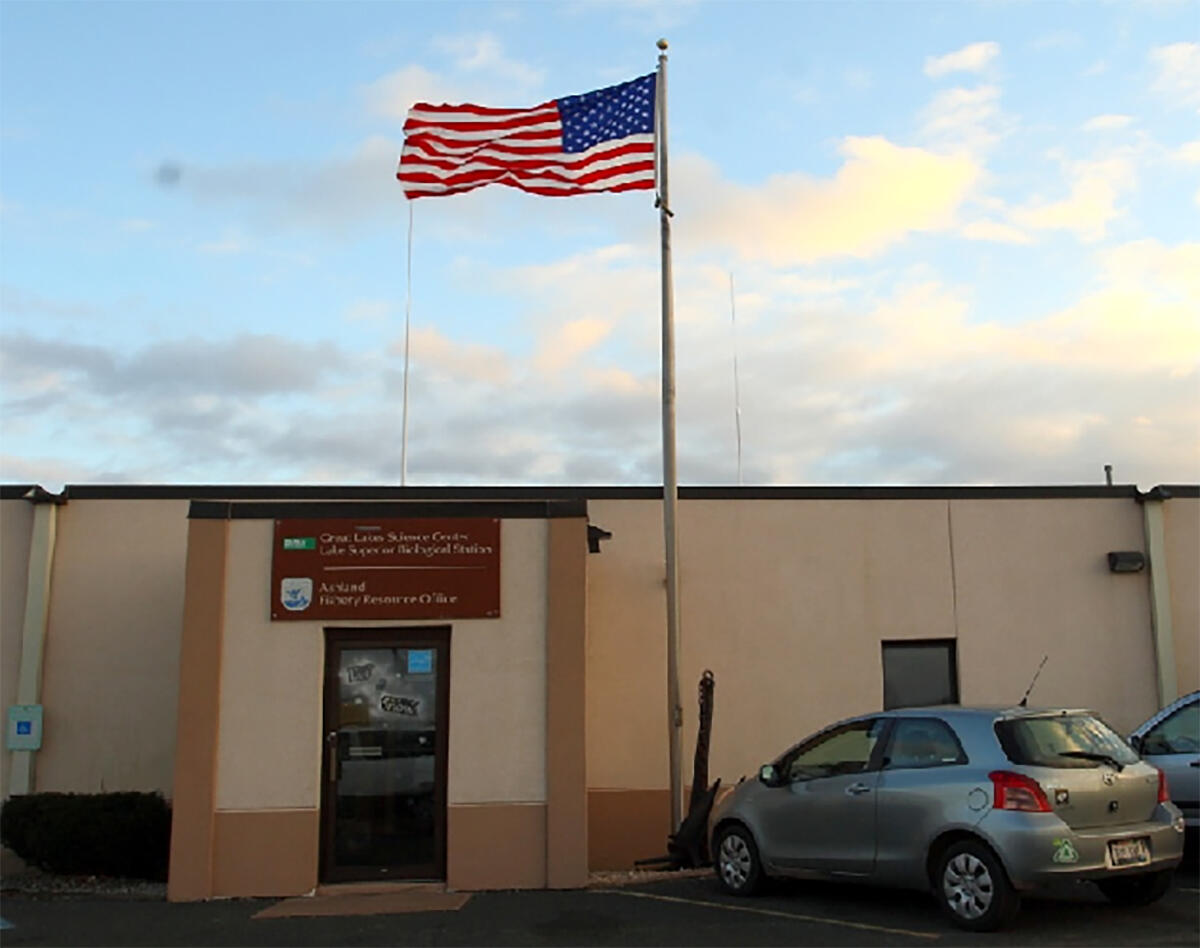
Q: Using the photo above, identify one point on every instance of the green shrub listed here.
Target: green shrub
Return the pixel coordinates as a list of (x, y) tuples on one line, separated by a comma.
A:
[(104, 834)]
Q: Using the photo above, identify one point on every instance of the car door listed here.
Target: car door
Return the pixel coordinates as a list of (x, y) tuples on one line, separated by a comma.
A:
[(822, 817), (1173, 745)]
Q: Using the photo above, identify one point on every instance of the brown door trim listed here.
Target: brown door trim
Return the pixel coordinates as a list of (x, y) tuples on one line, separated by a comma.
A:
[(336, 639)]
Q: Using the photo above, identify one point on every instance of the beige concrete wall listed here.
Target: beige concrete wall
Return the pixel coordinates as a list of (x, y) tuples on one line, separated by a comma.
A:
[(16, 524), (626, 649), (1033, 580), (1181, 525), (271, 680), (788, 603), (111, 661), (498, 682)]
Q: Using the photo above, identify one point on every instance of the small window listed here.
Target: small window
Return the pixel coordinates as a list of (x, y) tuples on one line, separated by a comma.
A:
[(923, 742), (1178, 734), (845, 750), (917, 674)]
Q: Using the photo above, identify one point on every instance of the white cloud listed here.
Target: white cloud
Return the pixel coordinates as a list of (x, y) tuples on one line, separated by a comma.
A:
[(1095, 187), (962, 118), (995, 232), (897, 383), (567, 343), (881, 193), (391, 96), (484, 53), (972, 58), (368, 311), (433, 352), (1178, 72), (1188, 151), (1105, 123)]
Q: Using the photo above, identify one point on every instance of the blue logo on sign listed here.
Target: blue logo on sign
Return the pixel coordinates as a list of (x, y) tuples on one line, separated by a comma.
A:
[(420, 661), (24, 727)]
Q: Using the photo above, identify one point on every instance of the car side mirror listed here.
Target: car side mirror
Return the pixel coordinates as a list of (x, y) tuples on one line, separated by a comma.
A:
[(768, 775), (1136, 743)]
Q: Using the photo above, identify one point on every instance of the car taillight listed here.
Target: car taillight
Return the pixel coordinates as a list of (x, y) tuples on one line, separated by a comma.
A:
[(1017, 792), (1164, 792)]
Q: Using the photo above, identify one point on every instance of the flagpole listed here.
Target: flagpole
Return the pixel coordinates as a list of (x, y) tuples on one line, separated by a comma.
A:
[(407, 325), (670, 480)]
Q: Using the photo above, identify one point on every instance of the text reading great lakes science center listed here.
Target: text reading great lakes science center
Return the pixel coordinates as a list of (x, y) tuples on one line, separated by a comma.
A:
[(385, 569)]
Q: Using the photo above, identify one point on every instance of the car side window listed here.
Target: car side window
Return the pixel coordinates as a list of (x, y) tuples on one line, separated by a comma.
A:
[(1178, 734), (847, 749), (923, 742)]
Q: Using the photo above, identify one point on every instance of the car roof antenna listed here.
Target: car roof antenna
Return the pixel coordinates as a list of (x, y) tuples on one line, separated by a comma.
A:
[(1025, 698)]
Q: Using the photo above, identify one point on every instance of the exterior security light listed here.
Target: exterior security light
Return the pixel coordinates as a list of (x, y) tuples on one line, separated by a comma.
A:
[(1126, 561)]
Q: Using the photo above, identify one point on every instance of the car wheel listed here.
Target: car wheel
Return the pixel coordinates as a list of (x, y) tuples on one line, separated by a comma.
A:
[(973, 888), (1136, 890), (738, 867)]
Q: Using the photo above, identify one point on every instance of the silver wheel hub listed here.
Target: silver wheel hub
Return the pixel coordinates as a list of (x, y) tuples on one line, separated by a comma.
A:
[(968, 886), (734, 861)]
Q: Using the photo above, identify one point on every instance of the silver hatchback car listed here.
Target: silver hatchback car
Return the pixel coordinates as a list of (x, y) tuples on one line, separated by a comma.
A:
[(977, 804)]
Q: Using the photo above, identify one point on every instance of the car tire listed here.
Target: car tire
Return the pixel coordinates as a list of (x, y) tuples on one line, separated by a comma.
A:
[(1136, 890), (973, 889), (736, 860)]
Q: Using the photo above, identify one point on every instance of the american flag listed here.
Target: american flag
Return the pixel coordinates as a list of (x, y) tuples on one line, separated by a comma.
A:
[(598, 141)]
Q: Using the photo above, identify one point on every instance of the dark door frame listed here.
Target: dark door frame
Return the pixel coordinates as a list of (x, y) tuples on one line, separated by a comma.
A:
[(336, 639)]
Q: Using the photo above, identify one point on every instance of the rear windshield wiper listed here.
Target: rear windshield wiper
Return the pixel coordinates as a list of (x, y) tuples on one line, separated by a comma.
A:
[(1092, 755)]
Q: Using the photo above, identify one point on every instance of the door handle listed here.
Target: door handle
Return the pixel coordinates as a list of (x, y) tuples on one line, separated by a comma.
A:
[(856, 788), (331, 744)]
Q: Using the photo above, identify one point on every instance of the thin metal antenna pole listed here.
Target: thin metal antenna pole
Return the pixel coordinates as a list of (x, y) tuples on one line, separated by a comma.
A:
[(737, 396), (407, 325), (670, 477)]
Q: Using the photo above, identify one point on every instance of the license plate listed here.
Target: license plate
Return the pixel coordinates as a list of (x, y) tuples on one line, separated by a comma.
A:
[(1129, 852)]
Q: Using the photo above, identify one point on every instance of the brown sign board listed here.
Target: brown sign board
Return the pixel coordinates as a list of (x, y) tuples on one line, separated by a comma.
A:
[(386, 568)]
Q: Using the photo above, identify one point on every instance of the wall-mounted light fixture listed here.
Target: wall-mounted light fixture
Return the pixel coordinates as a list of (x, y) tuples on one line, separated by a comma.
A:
[(1126, 561), (595, 535)]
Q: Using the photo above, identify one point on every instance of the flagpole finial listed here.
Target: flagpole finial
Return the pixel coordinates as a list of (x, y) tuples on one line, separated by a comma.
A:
[(662, 44)]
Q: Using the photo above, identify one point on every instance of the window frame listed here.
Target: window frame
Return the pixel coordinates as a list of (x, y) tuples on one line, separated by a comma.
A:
[(1152, 750), (874, 762), (898, 722)]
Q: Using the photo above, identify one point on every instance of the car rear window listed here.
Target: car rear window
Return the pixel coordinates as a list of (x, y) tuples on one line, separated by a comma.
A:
[(1043, 741)]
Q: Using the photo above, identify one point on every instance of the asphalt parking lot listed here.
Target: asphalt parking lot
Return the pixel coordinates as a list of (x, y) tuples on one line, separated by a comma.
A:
[(684, 911)]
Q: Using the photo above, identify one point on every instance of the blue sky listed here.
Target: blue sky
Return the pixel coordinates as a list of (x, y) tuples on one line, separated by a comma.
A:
[(962, 239)]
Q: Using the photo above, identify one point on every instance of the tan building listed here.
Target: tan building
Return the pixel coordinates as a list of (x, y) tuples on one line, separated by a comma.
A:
[(445, 683)]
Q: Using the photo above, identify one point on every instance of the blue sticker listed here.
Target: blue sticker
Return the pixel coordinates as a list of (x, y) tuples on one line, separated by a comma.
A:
[(420, 661), (24, 727)]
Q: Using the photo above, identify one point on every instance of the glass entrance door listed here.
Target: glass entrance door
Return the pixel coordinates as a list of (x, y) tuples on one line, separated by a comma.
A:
[(384, 800)]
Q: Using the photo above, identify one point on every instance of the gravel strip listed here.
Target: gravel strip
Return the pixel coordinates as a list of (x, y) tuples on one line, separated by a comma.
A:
[(36, 883), (604, 880)]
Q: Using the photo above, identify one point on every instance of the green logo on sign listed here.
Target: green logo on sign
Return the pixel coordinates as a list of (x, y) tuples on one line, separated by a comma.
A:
[(299, 543)]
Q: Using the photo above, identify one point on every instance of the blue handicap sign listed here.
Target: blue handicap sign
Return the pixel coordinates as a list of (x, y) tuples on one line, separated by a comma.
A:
[(24, 727)]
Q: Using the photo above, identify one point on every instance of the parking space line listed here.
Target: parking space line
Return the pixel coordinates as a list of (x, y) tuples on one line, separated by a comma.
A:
[(795, 916)]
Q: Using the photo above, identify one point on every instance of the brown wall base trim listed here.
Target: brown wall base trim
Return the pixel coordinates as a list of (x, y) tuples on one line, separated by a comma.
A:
[(626, 825), (265, 852), (496, 846)]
